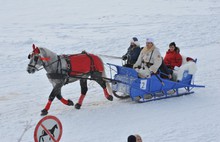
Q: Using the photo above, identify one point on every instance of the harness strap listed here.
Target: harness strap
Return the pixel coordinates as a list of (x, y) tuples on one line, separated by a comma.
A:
[(66, 57), (92, 65), (56, 76), (151, 56), (148, 64), (58, 63)]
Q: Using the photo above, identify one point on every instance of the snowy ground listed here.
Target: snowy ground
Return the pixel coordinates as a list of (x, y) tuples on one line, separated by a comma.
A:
[(106, 27)]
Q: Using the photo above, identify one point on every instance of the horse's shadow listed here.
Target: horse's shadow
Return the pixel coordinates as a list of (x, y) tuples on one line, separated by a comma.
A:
[(45, 134)]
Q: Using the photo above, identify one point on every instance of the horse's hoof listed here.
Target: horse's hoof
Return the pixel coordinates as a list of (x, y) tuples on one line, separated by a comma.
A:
[(78, 106), (70, 103), (110, 98), (44, 112)]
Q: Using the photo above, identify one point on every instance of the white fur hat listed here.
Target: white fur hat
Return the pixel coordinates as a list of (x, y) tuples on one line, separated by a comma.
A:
[(135, 41), (150, 40)]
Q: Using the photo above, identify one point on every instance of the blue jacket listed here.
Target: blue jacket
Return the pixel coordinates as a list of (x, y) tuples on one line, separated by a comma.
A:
[(132, 54)]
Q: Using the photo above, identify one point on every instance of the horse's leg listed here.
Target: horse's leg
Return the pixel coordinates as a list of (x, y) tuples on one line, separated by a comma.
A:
[(42, 137), (64, 101), (102, 83), (84, 89), (56, 92)]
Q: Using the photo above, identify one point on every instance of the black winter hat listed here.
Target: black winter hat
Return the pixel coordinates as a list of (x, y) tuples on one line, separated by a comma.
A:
[(131, 138)]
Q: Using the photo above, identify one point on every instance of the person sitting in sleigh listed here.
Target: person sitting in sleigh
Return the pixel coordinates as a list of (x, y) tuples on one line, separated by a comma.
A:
[(132, 53)]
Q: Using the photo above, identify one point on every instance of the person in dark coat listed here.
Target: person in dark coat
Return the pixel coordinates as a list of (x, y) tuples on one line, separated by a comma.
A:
[(173, 57), (132, 53)]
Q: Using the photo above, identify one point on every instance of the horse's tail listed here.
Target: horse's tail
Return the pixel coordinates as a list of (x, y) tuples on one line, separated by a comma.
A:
[(104, 76), (107, 83)]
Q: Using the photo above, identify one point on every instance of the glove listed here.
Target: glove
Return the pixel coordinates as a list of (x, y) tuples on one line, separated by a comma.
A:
[(150, 71), (124, 57), (170, 76), (144, 73), (138, 67), (176, 68)]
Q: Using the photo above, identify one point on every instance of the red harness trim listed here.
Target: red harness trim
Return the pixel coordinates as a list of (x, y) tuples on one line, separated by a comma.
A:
[(45, 58)]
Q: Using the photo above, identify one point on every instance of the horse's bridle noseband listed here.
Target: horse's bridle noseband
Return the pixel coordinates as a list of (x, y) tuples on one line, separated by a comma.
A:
[(33, 66), (36, 58)]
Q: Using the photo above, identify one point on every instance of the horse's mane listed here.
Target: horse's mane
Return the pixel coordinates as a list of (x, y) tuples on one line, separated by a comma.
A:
[(47, 53)]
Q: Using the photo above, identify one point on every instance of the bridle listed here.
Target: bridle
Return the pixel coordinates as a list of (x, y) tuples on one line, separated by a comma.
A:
[(38, 57), (35, 60)]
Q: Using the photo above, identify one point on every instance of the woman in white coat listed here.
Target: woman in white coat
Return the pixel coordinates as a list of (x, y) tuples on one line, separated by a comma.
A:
[(149, 60)]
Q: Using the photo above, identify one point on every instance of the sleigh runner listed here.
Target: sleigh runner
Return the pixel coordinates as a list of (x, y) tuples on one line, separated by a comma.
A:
[(128, 84)]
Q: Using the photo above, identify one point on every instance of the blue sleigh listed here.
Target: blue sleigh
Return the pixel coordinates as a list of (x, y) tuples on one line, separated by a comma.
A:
[(127, 84)]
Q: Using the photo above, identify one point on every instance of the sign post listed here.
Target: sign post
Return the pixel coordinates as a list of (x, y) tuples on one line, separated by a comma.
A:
[(48, 128)]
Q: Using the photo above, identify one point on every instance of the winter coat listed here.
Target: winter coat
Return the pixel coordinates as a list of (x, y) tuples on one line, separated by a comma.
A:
[(132, 54), (172, 59), (151, 56)]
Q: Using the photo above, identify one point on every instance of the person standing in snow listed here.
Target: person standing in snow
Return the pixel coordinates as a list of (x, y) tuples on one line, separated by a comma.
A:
[(132, 53), (173, 57)]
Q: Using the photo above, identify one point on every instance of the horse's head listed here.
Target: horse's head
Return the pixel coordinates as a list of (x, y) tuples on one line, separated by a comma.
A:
[(36, 60)]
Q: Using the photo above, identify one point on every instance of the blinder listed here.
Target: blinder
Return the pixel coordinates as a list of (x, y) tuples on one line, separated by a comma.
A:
[(36, 58)]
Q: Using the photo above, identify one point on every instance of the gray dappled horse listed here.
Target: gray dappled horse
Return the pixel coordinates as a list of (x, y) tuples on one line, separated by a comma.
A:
[(63, 69)]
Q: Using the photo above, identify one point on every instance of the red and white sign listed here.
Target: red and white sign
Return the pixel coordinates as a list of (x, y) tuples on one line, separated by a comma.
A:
[(48, 129)]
